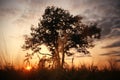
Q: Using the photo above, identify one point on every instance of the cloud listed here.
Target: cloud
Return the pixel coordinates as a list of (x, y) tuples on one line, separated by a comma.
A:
[(113, 45), (38, 2), (11, 8), (4, 2), (12, 3), (118, 60), (8, 11), (105, 12), (112, 53)]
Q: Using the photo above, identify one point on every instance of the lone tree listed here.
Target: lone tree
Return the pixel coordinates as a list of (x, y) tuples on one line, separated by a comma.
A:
[(60, 31)]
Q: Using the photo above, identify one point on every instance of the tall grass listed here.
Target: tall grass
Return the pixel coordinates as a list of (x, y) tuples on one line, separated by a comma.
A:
[(83, 72), (3, 50)]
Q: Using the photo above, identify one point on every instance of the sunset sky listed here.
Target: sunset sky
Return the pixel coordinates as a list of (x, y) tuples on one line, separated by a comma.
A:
[(17, 16)]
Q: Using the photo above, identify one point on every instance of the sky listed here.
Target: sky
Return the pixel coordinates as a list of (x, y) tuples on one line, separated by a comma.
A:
[(17, 16)]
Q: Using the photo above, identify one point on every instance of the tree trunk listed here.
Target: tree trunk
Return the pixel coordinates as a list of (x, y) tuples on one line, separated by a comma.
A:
[(63, 58), (57, 59), (57, 56), (60, 49), (63, 52)]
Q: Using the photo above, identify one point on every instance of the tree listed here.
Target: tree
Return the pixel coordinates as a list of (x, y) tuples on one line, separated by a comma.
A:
[(60, 31)]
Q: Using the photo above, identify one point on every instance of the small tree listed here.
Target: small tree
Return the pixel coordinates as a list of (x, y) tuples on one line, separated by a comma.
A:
[(60, 31)]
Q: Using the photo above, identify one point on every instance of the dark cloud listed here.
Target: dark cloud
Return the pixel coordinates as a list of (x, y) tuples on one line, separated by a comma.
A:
[(105, 12), (106, 27), (4, 2), (11, 3), (109, 26), (114, 33), (111, 18), (113, 45), (112, 53), (118, 60), (117, 24)]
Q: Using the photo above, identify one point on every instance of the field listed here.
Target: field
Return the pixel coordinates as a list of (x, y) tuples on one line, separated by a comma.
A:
[(80, 73)]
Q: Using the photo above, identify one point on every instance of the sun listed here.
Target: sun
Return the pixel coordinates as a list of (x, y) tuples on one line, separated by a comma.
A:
[(28, 68)]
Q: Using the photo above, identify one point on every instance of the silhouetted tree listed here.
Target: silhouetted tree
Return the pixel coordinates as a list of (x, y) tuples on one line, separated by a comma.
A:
[(60, 31)]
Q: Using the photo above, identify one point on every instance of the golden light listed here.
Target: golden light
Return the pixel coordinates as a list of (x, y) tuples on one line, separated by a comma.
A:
[(28, 68)]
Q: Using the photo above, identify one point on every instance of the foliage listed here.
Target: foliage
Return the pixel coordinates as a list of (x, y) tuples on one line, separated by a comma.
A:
[(60, 31)]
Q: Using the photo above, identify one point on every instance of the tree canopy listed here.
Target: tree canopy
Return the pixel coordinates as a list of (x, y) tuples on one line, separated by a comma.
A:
[(60, 31)]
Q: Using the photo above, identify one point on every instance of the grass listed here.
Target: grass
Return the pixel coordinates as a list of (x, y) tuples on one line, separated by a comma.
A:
[(82, 72)]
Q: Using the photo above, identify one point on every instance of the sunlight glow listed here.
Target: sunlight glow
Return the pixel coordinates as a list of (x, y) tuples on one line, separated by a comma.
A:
[(28, 68)]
